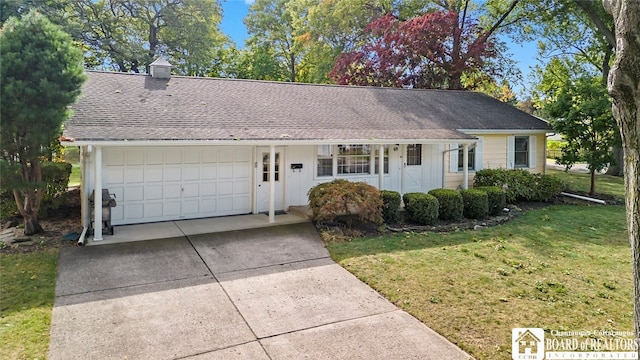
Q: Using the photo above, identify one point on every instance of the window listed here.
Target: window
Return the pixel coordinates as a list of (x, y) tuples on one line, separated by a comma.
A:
[(457, 154), (354, 159), (265, 167), (386, 160), (472, 159), (414, 155), (325, 160), (521, 152)]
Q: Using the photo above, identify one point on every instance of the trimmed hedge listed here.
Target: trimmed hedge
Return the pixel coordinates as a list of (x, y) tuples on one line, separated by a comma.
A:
[(519, 184), (422, 208), (496, 197), (338, 197), (391, 204), (546, 187), (450, 203), (476, 203)]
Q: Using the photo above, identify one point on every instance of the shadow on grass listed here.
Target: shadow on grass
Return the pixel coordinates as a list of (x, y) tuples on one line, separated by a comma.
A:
[(28, 281)]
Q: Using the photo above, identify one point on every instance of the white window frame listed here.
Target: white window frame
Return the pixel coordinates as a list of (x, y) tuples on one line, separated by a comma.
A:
[(376, 159), (350, 158), (373, 161), (454, 154), (325, 157), (511, 146)]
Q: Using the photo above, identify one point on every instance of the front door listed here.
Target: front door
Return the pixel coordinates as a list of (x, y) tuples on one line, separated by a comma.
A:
[(263, 179), (412, 168)]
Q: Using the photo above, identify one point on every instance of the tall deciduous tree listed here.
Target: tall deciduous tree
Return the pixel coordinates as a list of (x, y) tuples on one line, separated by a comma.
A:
[(40, 73), (127, 35), (624, 88), (581, 112), (572, 96), (430, 51), (581, 31), (334, 27), (277, 24)]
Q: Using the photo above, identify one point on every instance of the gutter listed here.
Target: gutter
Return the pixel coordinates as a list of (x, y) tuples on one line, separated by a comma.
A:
[(263, 142)]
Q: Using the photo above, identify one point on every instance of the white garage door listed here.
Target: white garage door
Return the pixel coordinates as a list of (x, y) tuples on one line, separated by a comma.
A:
[(158, 184)]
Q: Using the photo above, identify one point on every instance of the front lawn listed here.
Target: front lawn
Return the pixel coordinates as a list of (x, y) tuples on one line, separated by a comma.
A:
[(27, 288), (560, 267), (605, 184), (74, 177)]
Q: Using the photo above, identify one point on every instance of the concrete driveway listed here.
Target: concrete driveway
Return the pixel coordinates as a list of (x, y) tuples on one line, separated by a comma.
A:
[(269, 293)]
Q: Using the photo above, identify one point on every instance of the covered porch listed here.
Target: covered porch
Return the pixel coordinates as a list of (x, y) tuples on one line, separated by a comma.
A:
[(181, 228)]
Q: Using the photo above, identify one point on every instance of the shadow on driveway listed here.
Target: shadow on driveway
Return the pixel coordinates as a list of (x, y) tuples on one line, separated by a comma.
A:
[(270, 293)]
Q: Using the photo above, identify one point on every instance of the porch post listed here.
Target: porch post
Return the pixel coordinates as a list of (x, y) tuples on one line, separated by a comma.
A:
[(380, 166), (84, 187), (97, 195), (272, 184), (465, 166)]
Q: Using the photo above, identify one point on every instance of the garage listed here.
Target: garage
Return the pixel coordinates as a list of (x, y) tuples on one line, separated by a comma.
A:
[(172, 183)]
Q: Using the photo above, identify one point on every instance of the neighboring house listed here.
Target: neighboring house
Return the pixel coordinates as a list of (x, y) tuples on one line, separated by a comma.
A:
[(182, 147)]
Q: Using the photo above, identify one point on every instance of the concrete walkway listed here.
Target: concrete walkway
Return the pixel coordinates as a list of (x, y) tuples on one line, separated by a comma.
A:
[(269, 293)]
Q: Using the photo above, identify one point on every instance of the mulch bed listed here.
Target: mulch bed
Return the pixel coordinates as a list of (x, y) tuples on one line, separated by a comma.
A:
[(56, 224), (66, 219), (339, 231)]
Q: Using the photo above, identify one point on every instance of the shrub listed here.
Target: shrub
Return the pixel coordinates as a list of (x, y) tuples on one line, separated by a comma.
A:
[(8, 207), (422, 208), (546, 187), (55, 178), (450, 203), (519, 184), (476, 203), (496, 198), (328, 200), (391, 201)]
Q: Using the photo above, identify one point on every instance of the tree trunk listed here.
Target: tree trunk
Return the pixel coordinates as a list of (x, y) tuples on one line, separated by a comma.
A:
[(617, 169), (292, 67), (28, 212), (32, 224), (592, 188), (624, 88)]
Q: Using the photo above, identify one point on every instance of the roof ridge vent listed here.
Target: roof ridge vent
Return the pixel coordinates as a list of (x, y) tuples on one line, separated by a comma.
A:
[(160, 69)]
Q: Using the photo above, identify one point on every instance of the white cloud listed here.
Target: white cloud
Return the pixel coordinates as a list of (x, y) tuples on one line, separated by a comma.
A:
[(249, 2)]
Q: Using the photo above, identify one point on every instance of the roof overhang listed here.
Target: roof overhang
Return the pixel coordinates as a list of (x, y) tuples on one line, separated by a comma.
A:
[(505, 131), (264, 142)]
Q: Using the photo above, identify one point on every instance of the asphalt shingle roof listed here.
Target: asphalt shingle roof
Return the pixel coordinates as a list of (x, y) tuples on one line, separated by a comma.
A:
[(119, 106)]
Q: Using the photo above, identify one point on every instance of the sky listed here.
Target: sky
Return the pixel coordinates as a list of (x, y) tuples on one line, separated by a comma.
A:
[(525, 55)]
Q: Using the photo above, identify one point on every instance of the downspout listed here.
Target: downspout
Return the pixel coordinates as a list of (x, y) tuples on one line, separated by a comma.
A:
[(81, 240), (97, 195), (84, 186)]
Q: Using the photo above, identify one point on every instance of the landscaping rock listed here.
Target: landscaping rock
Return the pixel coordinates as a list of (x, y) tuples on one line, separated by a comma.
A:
[(25, 243), (478, 227)]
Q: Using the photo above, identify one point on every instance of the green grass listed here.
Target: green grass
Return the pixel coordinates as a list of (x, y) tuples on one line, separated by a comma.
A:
[(27, 288), (74, 178), (562, 267), (605, 184)]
